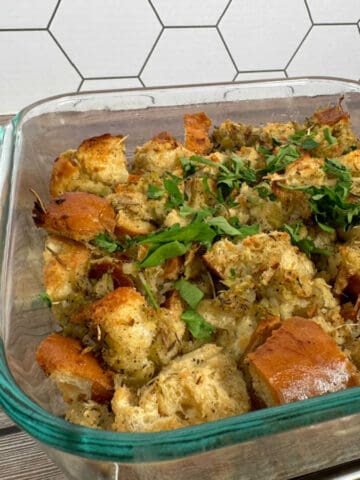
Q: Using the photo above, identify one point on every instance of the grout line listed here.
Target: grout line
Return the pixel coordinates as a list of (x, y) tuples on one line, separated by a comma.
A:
[(298, 48), (286, 74), (80, 85), (53, 14), (150, 53), (227, 49), (65, 54), (23, 29), (156, 13), (262, 71), (111, 78), (222, 15), (334, 24), (140, 80), (309, 12), (173, 27), (9, 430)]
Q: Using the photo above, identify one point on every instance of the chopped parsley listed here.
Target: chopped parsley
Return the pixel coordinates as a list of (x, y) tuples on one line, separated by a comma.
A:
[(304, 140), (305, 244), (105, 242), (155, 192), (46, 299), (330, 205), (286, 155), (328, 137)]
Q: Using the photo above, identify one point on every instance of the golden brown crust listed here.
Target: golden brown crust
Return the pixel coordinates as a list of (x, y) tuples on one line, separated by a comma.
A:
[(331, 115), (262, 332), (95, 167), (76, 215), (64, 355), (197, 127), (300, 361)]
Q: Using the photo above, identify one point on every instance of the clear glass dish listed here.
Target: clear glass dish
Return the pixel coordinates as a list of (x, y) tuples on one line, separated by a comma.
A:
[(280, 442)]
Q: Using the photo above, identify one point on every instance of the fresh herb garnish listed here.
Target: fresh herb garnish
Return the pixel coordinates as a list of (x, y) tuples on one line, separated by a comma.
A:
[(107, 243), (198, 326), (305, 244), (148, 291), (175, 196), (155, 192), (195, 232), (304, 140), (265, 192), (46, 299), (189, 167), (223, 227), (328, 137), (329, 204), (286, 155), (158, 255), (189, 292)]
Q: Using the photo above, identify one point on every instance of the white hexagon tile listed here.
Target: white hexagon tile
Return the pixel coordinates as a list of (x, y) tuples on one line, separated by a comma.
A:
[(186, 55), (25, 13), (40, 69), (54, 46), (188, 12)]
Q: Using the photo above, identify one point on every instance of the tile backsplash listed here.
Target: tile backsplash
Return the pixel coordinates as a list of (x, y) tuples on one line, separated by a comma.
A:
[(50, 47)]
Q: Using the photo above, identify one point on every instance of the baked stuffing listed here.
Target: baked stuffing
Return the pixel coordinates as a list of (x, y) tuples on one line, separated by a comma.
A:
[(208, 279)]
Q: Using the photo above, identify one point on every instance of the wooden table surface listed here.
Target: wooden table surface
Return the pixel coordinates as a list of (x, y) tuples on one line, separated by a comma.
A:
[(20, 456)]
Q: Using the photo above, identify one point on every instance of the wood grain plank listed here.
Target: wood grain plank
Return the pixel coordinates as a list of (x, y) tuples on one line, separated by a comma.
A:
[(21, 458)]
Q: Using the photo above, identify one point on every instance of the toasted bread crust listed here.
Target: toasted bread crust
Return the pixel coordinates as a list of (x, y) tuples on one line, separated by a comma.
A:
[(95, 167), (300, 361), (58, 355), (197, 127), (76, 215)]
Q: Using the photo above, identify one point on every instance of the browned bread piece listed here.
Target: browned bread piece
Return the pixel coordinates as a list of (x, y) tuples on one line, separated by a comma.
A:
[(299, 361), (160, 154), (96, 167), (123, 325), (78, 374), (197, 127), (76, 215), (197, 387), (66, 264), (262, 332)]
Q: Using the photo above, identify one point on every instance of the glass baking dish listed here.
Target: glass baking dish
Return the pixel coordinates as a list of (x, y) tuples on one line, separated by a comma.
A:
[(280, 442)]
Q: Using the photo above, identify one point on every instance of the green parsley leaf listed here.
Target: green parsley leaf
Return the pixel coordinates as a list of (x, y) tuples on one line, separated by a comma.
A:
[(328, 137), (175, 196), (46, 299), (329, 204), (107, 243), (305, 244), (265, 192), (198, 326), (185, 211), (304, 140), (158, 255), (148, 292), (195, 232), (223, 227), (189, 292), (286, 155), (155, 192), (189, 167)]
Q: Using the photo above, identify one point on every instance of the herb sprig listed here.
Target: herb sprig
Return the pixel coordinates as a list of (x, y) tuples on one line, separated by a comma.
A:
[(305, 244), (192, 295)]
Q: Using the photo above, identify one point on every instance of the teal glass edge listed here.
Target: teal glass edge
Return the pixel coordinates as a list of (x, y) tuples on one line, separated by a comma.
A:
[(169, 445)]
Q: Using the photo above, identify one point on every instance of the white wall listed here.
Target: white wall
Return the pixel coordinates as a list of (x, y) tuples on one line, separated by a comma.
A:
[(56, 46)]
